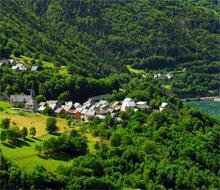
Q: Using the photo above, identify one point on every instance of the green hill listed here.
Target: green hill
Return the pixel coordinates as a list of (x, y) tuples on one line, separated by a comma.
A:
[(96, 38)]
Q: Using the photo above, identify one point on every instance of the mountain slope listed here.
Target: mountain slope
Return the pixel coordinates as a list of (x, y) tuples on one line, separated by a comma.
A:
[(96, 38)]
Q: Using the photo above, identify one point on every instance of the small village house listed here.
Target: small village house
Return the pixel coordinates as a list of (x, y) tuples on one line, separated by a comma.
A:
[(163, 106), (142, 105), (20, 100), (53, 104), (128, 104), (12, 62), (34, 68), (29, 106)]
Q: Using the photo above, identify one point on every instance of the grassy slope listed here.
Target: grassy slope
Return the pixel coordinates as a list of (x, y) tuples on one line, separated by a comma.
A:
[(27, 61), (25, 156)]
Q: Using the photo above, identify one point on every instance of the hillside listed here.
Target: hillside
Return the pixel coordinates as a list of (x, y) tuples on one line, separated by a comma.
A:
[(90, 94), (96, 38)]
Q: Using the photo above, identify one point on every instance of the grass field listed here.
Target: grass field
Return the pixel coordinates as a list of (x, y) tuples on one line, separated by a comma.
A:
[(25, 156), (27, 61)]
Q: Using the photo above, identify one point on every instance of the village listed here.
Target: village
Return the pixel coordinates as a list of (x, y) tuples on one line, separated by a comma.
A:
[(93, 107), (16, 66)]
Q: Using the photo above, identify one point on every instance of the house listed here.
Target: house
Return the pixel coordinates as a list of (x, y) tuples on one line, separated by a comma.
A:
[(15, 99), (12, 62), (126, 106), (60, 111), (69, 104), (34, 68), (101, 117), (163, 76), (41, 108), (19, 67), (127, 100), (29, 106), (78, 113), (88, 103), (116, 105), (42, 104), (89, 113), (66, 108), (142, 105), (77, 104), (163, 106), (53, 104)]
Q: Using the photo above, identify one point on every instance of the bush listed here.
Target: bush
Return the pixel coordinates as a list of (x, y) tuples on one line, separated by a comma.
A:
[(5, 123), (32, 131), (51, 125)]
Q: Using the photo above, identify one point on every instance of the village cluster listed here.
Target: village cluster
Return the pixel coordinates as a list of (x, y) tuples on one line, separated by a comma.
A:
[(16, 66), (92, 107)]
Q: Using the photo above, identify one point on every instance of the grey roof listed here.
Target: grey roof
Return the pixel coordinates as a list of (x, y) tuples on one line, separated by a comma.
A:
[(52, 102), (115, 103), (21, 98), (77, 104), (163, 105), (11, 61), (127, 100), (5, 61), (29, 103), (66, 108), (102, 117), (84, 111), (34, 68), (129, 104), (90, 112), (58, 110), (87, 103), (78, 109), (141, 103), (42, 104)]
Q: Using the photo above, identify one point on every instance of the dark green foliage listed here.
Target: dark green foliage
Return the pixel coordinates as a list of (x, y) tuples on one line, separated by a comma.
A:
[(5, 123), (71, 144), (51, 125), (24, 132), (32, 131)]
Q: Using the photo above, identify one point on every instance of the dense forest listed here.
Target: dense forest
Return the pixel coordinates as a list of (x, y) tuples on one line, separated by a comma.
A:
[(97, 38), (104, 36)]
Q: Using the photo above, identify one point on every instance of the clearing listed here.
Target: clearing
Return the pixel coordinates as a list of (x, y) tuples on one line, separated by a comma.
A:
[(25, 156)]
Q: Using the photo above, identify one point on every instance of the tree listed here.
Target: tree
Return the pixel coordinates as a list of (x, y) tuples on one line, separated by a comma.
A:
[(40, 98), (24, 132), (115, 139), (32, 131), (5, 123), (51, 125)]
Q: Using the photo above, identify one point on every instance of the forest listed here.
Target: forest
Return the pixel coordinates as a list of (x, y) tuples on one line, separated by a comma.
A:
[(95, 38), (86, 48)]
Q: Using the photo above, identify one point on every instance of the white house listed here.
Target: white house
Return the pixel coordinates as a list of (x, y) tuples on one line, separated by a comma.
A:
[(127, 104), (163, 106), (142, 105)]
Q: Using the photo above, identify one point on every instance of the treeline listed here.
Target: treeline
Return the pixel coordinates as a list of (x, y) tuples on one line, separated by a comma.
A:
[(52, 85)]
